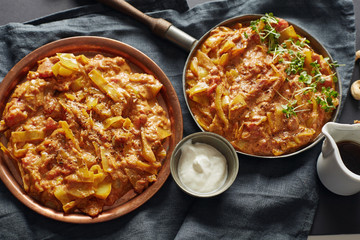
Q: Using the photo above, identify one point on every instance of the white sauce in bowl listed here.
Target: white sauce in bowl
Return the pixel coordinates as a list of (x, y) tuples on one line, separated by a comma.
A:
[(202, 168)]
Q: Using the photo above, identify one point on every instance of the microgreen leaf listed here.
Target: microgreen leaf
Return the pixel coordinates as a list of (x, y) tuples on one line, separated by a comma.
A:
[(289, 109), (268, 32), (305, 77), (326, 101), (296, 65)]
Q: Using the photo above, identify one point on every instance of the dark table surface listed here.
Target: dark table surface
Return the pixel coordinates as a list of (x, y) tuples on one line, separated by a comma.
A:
[(335, 214)]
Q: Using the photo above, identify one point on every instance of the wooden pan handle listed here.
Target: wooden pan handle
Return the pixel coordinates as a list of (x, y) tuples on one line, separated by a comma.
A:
[(159, 26)]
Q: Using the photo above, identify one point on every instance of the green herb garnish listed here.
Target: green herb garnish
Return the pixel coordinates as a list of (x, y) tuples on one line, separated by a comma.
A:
[(305, 78), (264, 27), (296, 65), (326, 101), (289, 109), (292, 53)]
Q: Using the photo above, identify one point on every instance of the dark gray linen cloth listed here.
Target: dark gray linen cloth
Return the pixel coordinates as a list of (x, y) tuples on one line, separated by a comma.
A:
[(270, 199)]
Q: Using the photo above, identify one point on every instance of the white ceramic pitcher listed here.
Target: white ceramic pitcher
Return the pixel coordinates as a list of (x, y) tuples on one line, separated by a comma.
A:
[(331, 169)]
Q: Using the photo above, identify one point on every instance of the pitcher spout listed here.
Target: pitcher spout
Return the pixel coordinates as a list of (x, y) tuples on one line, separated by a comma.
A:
[(341, 132)]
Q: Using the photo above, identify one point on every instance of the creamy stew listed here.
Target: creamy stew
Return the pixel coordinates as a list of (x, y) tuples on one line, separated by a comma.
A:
[(261, 86), (85, 131)]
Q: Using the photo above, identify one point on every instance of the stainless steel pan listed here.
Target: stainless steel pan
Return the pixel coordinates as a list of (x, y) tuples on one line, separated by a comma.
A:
[(168, 31)]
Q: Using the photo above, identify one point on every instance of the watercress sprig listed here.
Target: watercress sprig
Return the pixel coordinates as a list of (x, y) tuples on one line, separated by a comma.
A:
[(326, 101), (289, 109), (266, 30)]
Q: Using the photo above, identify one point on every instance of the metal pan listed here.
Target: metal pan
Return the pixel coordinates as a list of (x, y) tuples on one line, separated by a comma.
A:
[(166, 30)]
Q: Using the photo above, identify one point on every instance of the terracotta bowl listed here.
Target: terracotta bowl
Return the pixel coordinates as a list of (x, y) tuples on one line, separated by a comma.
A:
[(90, 46)]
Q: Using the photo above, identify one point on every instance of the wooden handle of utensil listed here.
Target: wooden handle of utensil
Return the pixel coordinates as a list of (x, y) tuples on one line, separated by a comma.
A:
[(158, 25)]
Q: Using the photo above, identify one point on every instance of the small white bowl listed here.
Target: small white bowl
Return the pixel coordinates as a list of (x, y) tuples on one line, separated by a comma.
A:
[(216, 141)]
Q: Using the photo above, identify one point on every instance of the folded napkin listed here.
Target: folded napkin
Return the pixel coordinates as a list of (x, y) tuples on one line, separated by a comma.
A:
[(270, 199)]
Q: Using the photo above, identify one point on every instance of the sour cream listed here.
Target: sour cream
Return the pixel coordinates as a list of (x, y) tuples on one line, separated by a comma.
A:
[(202, 168)]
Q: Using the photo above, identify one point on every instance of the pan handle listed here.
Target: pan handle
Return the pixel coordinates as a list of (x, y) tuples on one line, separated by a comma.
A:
[(159, 26)]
